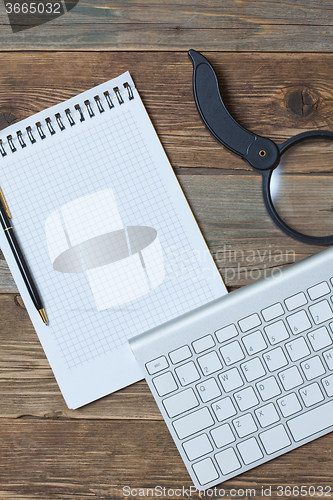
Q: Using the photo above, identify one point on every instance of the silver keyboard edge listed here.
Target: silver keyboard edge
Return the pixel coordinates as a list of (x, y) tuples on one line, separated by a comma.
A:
[(168, 330)]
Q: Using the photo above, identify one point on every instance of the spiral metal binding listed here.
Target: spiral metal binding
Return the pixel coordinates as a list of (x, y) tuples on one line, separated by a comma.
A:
[(99, 104), (118, 94), (40, 130), (11, 144), (2, 149), (68, 114), (30, 135), (78, 108), (59, 121), (69, 117), (108, 99), (89, 108), (49, 126), (129, 90), (20, 139)]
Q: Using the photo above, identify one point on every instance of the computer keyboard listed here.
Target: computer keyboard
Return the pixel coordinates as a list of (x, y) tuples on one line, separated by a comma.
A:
[(249, 376)]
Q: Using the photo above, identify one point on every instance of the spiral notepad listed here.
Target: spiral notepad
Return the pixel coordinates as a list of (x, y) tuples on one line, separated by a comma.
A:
[(106, 231)]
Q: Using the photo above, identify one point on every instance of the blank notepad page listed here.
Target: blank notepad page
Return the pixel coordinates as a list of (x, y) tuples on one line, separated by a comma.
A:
[(106, 231)]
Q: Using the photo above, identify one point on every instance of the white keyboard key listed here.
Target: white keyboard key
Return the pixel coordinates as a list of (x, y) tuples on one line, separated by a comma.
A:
[(319, 290), (249, 322), (311, 394), (275, 439), (267, 415), (328, 385), (209, 363), (197, 447), (254, 342), (180, 354), (295, 301), (231, 353), (205, 471), (275, 359), (276, 332), (183, 401), (297, 349), (187, 373), (203, 344), (222, 435), (244, 425), (289, 405), (328, 357), (165, 383), (226, 333), (253, 369), (313, 368), (228, 461), (299, 322), (223, 409), (246, 399), (192, 423), (272, 312), (311, 422), (157, 365), (321, 312), (208, 390), (250, 451), (319, 338), (268, 388), (290, 378), (231, 380)]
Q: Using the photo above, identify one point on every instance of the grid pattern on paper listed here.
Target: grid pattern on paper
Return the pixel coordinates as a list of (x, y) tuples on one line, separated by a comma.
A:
[(106, 151)]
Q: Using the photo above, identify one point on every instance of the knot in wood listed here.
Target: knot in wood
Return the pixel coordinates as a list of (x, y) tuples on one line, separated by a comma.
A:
[(301, 101), (6, 119)]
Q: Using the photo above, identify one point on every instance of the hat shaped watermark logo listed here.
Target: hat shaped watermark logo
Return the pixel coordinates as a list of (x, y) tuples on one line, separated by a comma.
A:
[(26, 14), (121, 263)]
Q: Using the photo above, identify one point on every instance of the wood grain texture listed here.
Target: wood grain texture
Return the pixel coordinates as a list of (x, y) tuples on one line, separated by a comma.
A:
[(47, 451), (133, 25), (28, 386), (243, 240), (276, 95), (95, 460)]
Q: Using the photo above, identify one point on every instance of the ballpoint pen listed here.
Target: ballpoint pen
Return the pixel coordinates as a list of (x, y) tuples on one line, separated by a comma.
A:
[(20, 260)]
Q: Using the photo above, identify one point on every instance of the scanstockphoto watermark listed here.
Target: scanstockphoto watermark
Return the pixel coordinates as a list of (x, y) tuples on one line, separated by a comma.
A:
[(263, 491), (187, 492), (25, 14)]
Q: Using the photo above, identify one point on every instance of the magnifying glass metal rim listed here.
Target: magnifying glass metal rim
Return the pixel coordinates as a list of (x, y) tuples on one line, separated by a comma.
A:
[(266, 179)]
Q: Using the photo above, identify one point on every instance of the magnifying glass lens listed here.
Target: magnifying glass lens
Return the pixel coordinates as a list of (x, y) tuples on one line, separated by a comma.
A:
[(301, 187)]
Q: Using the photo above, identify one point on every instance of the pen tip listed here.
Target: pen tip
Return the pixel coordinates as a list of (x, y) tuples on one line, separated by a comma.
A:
[(43, 315)]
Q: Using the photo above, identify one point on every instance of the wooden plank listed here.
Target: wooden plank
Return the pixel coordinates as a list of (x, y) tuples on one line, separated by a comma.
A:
[(225, 195), (133, 25), (275, 95), (244, 242), (27, 384), (96, 460), (245, 245)]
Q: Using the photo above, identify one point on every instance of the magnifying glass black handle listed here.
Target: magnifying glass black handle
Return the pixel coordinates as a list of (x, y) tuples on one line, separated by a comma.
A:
[(261, 153)]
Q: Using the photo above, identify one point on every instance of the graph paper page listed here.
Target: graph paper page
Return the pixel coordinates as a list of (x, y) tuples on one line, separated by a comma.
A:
[(107, 233)]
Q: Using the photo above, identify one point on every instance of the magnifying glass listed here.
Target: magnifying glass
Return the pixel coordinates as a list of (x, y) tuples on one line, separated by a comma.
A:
[(304, 214)]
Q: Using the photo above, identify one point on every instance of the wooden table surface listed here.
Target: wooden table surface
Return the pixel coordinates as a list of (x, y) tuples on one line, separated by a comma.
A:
[(276, 68)]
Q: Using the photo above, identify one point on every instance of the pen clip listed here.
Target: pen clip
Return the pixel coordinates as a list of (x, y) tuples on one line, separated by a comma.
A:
[(3, 199)]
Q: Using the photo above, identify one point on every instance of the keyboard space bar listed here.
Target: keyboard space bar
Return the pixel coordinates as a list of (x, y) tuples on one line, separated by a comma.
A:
[(313, 421)]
